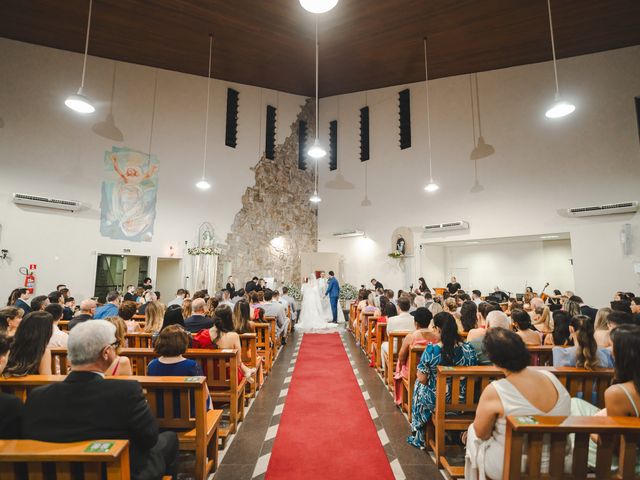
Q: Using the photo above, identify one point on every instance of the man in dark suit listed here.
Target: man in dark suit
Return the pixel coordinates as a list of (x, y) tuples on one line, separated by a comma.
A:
[(85, 406), (87, 311), (585, 309), (197, 321), (251, 285), (333, 292), (21, 302)]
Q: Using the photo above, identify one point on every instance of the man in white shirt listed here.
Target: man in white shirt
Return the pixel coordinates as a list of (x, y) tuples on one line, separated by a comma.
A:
[(403, 322), (276, 309), (180, 296)]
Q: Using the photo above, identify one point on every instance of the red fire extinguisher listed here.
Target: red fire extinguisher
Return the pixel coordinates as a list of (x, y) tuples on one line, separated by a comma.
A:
[(29, 277)]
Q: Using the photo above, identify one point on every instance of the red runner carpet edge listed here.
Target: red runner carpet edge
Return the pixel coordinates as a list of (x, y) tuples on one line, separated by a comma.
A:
[(326, 431)]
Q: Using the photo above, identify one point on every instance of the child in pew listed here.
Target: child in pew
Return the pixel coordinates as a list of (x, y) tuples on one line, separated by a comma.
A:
[(622, 399), (171, 344)]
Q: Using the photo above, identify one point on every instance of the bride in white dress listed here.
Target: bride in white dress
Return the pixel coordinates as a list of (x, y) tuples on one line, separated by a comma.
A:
[(313, 316)]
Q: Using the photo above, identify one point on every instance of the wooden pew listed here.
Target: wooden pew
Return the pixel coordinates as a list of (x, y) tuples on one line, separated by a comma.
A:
[(249, 355), (408, 384), (139, 317), (529, 431), (198, 430), (263, 345), (575, 380), (138, 340), (34, 455), (63, 325), (381, 337), (541, 355), (370, 335), (364, 333), (219, 366), (395, 342), (275, 341), (353, 311)]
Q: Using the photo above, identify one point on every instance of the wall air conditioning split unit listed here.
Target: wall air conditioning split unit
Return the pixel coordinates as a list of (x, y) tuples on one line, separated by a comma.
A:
[(46, 202), (349, 233), (609, 209), (445, 227)]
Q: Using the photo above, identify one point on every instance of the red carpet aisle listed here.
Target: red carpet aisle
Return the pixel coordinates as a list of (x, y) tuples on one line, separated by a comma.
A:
[(326, 430)]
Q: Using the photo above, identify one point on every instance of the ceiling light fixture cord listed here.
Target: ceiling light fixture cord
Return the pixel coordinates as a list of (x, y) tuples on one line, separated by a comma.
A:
[(86, 45), (553, 48), (206, 121), (426, 85), (317, 113)]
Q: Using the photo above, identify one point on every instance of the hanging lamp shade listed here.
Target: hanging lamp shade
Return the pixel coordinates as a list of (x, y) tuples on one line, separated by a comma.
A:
[(318, 6), (78, 102), (559, 109), (432, 186), (315, 198), (203, 184)]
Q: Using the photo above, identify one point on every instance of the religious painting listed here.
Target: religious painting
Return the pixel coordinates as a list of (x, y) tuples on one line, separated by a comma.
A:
[(129, 193)]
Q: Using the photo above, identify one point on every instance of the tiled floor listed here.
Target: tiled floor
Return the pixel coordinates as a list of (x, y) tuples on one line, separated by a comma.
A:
[(247, 456)]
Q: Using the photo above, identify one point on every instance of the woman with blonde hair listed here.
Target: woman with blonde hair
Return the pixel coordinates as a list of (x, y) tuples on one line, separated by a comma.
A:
[(186, 308), (602, 332), (242, 318), (121, 366), (542, 320), (153, 317)]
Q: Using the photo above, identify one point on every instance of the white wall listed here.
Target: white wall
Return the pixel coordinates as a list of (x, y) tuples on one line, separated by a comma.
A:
[(539, 167), (47, 149), (512, 266)]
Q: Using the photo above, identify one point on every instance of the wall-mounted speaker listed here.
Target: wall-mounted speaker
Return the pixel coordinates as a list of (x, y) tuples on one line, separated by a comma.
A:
[(404, 101), (302, 145), (333, 145), (270, 133), (364, 134), (231, 131)]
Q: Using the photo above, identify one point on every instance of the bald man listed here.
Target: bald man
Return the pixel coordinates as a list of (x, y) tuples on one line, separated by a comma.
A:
[(197, 321), (87, 311)]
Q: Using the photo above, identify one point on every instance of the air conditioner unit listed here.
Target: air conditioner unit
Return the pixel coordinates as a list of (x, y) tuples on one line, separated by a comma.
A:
[(445, 227), (350, 233), (609, 209), (46, 202)]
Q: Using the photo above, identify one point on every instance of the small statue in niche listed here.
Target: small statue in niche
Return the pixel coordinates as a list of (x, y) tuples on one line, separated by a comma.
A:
[(400, 245)]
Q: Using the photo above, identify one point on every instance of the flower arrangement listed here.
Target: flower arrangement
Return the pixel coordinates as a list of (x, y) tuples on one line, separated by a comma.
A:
[(348, 292), (204, 251), (294, 292), (396, 254)]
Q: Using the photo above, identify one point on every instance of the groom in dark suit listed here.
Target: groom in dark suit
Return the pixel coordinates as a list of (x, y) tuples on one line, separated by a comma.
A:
[(333, 291)]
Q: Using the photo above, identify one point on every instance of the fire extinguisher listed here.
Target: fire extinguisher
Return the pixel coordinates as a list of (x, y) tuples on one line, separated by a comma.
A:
[(29, 277)]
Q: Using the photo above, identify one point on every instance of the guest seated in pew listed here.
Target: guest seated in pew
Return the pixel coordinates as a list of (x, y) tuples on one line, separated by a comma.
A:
[(450, 350), (121, 365), (275, 309), (561, 336), (110, 308), (126, 311), (370, 307), (523, 391), (153, 318), (198, 320), (173, 316), (85, 407), (30, 354), (10, 405), (495, 319), (621, 306), (422, 335), (403, 322), (187, 310), (602, 332), (542, 320), (221, 336), (623, 398), (212, 304), (242, 318), (87, 311), (10, 318), (524, 328), (451, 306), (387, 309), (469, 316), (58, 337), (585, 352)]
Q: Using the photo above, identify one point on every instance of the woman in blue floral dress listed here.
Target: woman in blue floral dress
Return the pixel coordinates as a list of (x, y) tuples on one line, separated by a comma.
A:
[(450, 351)]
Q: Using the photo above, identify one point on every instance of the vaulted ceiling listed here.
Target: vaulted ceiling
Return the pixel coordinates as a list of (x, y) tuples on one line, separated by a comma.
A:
[(364, 44)]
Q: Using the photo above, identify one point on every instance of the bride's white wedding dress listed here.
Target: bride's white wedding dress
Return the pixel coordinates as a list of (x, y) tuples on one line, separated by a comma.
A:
[(313, 315)]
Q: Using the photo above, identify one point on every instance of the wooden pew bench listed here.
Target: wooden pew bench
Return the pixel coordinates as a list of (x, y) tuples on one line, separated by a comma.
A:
[(263, 345), (66, 457), (381, 337), (177, 403), (408, 384), (530, 430), (249, 355), (577, 381), (138, 340), (390, 360)]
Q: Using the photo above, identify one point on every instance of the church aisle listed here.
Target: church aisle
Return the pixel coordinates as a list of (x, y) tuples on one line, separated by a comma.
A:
[(326, 431), (249, 454)]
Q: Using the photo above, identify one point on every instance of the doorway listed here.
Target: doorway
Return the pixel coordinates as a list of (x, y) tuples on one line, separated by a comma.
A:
[(115, 272), (168, 278)]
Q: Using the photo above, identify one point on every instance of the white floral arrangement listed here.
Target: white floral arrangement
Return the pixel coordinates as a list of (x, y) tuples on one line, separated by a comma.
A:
[(348, 292), (294, 292), (204, 251)]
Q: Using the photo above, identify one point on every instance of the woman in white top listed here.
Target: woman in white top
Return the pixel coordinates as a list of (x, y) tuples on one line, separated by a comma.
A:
[(523, 391)]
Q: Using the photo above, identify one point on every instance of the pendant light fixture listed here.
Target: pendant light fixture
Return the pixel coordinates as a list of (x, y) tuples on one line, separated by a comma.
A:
[(432, 186), (203, 184), (318, 6), (560, 108), (316, 151), (315, 198), (78, 102)]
